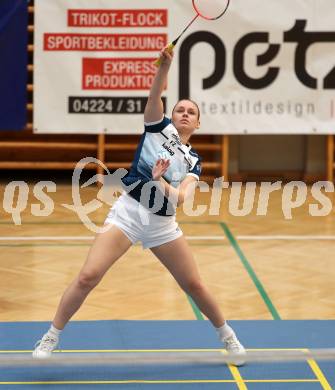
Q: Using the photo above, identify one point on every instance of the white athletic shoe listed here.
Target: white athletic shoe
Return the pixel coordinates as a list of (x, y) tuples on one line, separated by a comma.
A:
[(44, 347), (234, 347)]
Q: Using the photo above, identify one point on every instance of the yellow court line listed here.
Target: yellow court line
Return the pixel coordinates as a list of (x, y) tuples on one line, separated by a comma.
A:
[(143, 381), (119, 382), (238, 377), (281, 380), (275, 349), (236, 374), (118, 350), (318, 373)]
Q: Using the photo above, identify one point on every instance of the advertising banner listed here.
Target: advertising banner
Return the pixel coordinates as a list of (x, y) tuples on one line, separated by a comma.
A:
[(266, 67)]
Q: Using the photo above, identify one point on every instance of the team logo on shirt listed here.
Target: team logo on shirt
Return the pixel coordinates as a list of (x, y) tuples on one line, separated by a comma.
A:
[(168, 149), (163, 153), (172, 142)]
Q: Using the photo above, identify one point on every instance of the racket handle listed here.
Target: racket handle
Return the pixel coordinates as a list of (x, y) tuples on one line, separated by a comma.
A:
[(159, 60)]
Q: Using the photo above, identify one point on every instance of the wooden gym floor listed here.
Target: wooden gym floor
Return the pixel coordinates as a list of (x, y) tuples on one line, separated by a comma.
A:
[(258, 267)]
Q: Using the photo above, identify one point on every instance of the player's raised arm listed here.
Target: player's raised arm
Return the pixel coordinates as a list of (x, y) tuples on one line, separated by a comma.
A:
[(154, 109)]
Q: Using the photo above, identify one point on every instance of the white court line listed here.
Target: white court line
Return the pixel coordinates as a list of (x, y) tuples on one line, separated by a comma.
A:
[(192, 238), (285, 237), (47, 238)]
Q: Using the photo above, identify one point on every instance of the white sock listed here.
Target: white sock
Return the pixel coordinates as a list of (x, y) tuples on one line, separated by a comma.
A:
[(224, 331), (54, 331)]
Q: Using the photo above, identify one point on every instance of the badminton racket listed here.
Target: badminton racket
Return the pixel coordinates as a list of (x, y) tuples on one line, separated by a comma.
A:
[(206, 9)]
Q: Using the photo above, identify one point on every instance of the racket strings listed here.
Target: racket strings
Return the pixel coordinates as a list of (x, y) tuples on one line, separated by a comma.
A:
[(210, 9)]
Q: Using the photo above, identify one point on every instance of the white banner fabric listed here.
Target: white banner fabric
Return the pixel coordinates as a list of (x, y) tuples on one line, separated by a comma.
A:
[(266, 67)]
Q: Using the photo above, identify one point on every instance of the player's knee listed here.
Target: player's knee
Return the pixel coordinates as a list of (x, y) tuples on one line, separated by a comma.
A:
[(88, 280), (194, 286)]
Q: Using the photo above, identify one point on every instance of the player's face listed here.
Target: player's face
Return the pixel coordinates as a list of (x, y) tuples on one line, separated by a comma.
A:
[(185, 116)]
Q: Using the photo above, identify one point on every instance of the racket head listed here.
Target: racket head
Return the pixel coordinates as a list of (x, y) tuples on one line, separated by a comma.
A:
[(210, 9)]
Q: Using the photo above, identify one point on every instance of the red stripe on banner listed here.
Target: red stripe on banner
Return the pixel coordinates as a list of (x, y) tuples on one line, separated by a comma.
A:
[(118, 73), (104, 42), (117, 18)]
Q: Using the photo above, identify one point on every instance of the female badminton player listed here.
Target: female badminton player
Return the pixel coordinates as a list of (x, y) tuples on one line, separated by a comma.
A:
[(163, 158)]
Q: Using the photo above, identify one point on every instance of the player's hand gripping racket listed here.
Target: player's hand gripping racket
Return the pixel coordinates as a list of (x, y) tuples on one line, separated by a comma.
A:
[(206, 9)]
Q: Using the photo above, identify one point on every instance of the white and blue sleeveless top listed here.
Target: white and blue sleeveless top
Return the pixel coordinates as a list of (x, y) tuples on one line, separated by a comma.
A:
[(160, 140)]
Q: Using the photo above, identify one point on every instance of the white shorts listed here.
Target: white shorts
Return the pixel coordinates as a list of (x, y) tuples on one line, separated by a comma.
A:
[(139, 224)]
